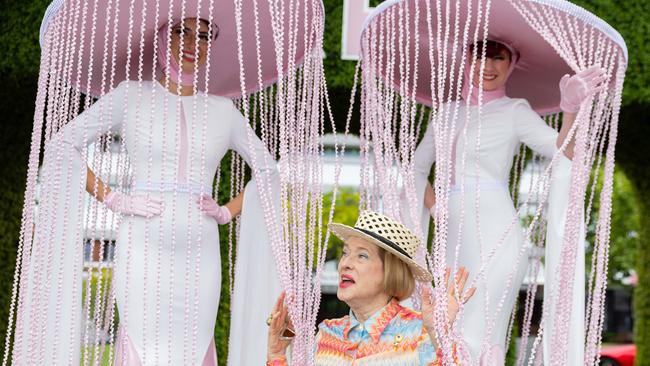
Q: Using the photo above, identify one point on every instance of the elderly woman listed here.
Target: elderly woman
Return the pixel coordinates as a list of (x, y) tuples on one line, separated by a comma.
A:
[(376, 271)]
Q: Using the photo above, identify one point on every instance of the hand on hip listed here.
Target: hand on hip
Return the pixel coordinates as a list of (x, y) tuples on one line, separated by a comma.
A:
[(138, 205), (209, 207)]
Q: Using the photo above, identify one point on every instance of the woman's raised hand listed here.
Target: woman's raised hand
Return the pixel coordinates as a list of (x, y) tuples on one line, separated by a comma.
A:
[(279, 323), (576, 89), (210, 207), (139, 205), (456, 294), (454, 290)]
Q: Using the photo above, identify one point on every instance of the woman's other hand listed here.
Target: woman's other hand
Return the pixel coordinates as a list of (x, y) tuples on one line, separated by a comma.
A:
[(279, 322), (453, 299), (139, 205), (454, 291), (210, 207), (576, 89)]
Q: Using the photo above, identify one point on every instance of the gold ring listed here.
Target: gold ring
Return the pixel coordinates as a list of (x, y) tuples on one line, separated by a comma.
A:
[(269, 320)]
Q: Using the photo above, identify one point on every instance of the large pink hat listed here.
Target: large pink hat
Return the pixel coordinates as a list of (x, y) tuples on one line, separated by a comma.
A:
[(101, 32), (538, 70)]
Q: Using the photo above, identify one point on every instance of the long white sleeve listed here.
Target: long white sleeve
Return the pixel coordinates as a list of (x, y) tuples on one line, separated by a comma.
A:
[(531, 129), (425, 155), (104, 116), (59, 229), (257, 283), (252, 148), (558, 200)]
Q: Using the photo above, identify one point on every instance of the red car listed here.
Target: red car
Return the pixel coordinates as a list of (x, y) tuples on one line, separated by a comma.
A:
[(618, 355)]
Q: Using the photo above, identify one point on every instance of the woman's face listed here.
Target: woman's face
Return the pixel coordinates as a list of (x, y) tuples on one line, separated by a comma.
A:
[(495, 73), (189, 30), (361, 273)]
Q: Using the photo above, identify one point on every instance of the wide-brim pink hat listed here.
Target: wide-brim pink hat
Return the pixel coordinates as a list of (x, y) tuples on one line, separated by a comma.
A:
[(103, 34), (538, 70)]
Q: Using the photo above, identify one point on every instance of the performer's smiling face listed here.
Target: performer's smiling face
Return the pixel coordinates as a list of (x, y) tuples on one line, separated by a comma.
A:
[(496, 69), (361, 273), (186, 34)]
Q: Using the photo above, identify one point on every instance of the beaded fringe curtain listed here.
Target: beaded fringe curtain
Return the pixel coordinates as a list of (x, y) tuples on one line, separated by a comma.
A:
[(412, 68), (293, 128), (67, 305)]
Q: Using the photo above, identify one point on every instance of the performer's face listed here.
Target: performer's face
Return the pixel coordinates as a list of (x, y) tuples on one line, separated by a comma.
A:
[(361, 273), (495, 73), (188, 31)]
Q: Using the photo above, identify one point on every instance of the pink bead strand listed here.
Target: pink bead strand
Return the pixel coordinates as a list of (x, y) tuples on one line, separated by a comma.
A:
[(64, 116), (148, 154), (121, 163), (101, 292), (29, 205), (124, 315)]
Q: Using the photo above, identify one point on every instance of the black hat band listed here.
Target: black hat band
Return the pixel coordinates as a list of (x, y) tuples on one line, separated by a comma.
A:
[(385, 241)]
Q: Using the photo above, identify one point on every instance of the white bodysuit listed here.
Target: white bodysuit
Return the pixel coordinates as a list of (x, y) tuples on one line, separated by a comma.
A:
[(168, 309)]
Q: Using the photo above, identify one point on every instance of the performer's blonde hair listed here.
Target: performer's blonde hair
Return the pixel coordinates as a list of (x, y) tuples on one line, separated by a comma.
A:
[(398, 278)]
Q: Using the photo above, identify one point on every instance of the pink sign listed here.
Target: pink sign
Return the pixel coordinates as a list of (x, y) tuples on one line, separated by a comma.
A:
[(354, 15)]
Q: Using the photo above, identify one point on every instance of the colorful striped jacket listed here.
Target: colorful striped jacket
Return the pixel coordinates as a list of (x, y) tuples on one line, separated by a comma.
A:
[(392, 336)]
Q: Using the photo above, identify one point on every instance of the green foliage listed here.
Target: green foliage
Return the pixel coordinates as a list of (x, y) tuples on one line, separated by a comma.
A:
[(633, 150), (19, 22), (222, 327), (642, 292), (105, 278), (624, 233), (511, 354), (15, 132), (346, 212), (104, 353), (630, 18), (340, 73), (19, 32)]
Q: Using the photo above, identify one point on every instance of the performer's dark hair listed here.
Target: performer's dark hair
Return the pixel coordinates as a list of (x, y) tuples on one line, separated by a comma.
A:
[(492, 49)]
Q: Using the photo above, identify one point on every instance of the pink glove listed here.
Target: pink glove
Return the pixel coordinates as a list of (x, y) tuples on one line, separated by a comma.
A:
[(577, 88), (209, 207), (138, 205)]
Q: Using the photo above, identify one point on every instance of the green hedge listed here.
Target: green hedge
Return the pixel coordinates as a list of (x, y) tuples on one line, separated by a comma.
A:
[(15, 135), (222, 329), (633, 148)]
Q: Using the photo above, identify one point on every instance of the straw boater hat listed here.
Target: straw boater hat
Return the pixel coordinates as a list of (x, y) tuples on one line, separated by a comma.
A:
[(388, 234)]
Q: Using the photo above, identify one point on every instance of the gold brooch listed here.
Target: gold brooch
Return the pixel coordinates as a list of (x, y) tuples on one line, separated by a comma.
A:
[(397, 341)]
